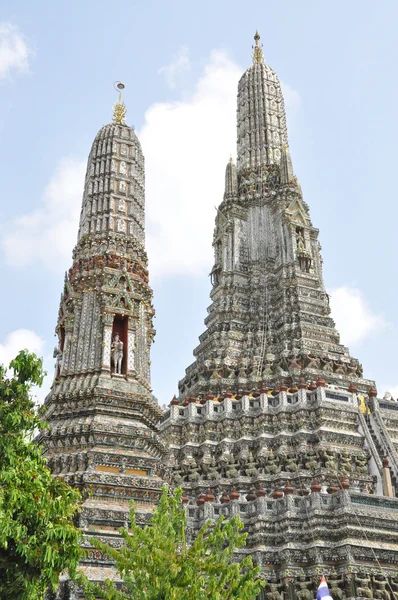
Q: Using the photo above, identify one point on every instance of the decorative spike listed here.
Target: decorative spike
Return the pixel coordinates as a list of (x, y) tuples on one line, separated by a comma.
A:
[(353, 388), (119, 108), (261, 492), (315, 486), (288, 489), (209, 497), (251, 495), (231, 180), (224, 498), (257, 54), (286, 167), (234, 495)]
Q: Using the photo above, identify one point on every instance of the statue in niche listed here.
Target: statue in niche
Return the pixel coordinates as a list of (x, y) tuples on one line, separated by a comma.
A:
[(381, 590), (192, 474), (394, 587), (212, 472), (361, 463), (312, 459), (300, 242), (117, 354), (273, 593), (327, 364), (291, 464), (232, 470), (328, 458), (338, 367), (304, 258), (336, 586), (250, 469), (363, 582), (58, 354), (272, 465), (303, 593), (345, 462), (313, 361)]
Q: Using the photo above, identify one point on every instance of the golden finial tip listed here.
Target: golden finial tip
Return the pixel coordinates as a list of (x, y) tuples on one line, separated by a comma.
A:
[(257, 54), (119, 108)]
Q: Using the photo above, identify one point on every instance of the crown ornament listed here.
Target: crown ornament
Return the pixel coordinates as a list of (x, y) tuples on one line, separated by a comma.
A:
[(257, 54), (119, 108)]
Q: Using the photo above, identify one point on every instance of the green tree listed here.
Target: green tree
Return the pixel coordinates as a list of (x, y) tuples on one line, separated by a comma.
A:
[(37, 537), (156, 563)]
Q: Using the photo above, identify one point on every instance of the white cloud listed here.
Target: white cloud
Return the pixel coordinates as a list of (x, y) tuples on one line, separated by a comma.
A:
[(354, 319), (292, 98), (179, 65), (187, 144), (20, 339), (46, 235), (14, 52), (26, 339)]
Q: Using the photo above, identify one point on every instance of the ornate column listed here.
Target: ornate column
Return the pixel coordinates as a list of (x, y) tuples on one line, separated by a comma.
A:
[(107, 319), (68, 326), (130, 346)]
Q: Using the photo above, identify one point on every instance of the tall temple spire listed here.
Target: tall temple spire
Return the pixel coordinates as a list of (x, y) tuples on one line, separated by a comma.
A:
[(103, 434), (274, 415), (261, 119), (270, 314)]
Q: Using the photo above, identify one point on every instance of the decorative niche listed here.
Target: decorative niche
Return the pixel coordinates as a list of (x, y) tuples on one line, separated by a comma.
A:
[(120, 326)]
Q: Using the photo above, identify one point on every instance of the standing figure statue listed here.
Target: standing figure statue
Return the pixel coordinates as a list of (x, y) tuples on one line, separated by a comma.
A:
[(300, 242), (117, 354), (381, 590), (273, 593), (336, 586), (58, 355), (364, 588), (303, 593)]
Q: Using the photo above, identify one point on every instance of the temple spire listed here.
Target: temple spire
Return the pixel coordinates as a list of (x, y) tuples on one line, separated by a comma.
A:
[(261, 115), (231, 179), (119, 108), (286, 167), (257, 54)]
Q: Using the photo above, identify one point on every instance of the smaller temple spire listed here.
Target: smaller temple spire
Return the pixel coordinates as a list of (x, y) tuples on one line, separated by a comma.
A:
[(286, 166), (119, 108), (231, 179), (257, 54)]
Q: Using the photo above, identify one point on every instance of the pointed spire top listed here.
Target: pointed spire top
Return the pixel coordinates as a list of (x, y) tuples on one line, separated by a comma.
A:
[(119, 108), (257, 54)]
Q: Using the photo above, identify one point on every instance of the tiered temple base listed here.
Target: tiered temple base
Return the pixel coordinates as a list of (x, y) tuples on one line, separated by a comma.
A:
[(306, 469)]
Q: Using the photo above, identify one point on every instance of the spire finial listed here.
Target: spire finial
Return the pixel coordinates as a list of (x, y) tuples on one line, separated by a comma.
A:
[(257, 54), (119, 108)]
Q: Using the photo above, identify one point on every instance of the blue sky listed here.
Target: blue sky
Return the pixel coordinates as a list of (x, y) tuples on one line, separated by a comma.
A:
[(180, 62)]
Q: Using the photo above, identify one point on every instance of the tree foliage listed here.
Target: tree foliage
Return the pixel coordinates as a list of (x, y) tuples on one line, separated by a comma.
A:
[(37, 537), (157, 564)]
